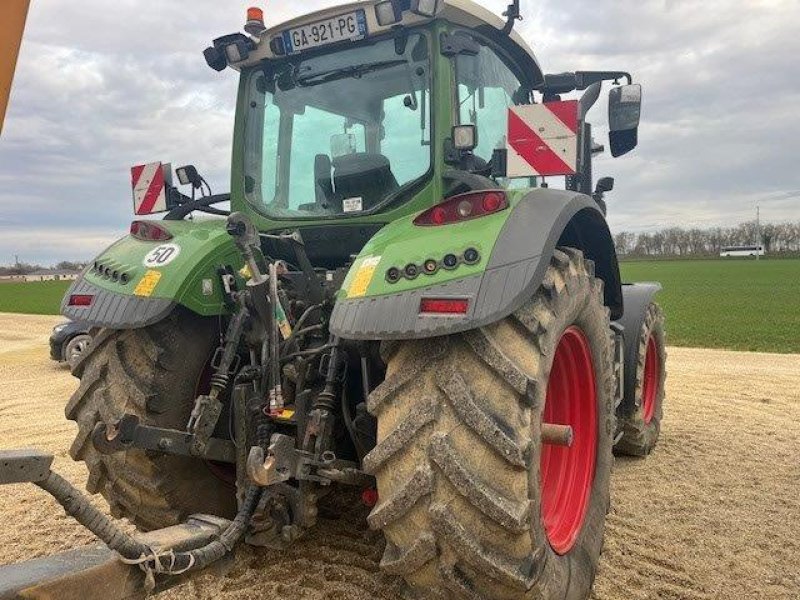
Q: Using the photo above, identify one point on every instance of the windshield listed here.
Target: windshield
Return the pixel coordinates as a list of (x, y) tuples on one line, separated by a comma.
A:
[(338, 134)]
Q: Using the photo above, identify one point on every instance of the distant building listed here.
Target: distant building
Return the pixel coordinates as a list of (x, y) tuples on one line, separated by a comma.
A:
[(4, 278), (47, 275)]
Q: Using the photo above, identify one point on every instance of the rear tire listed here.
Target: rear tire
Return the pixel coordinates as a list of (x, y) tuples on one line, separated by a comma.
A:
[(641, 429), (459, 453), (152, 373)]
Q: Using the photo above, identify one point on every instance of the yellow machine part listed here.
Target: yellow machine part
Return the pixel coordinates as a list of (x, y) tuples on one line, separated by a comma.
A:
[(12, 23)]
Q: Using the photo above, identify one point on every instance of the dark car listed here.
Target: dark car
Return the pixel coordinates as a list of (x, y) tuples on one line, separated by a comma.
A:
[(69, 341)]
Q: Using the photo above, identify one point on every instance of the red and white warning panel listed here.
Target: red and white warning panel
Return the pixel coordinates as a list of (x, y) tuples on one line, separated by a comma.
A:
[(150, 188), (543, 139)]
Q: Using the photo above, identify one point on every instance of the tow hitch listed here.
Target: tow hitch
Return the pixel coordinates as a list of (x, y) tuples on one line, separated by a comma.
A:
[(126, 566)]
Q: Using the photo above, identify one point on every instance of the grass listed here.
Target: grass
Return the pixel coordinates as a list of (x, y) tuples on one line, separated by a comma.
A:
[(39, 298), (736, 304)]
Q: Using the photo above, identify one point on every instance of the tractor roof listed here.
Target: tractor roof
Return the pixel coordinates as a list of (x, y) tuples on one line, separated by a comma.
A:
[(465, 13)]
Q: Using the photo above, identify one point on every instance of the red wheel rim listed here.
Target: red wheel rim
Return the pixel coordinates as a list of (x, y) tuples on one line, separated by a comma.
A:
[(567, 474), (650, 380)]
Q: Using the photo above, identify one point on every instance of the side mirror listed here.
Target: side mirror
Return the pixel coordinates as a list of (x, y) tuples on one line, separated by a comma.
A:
[(624, 114), (606, 184)]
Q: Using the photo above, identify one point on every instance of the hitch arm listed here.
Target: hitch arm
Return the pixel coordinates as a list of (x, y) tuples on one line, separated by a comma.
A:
[(130, 433)]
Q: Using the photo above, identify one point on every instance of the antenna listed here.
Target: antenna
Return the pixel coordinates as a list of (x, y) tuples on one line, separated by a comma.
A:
[(513, 15)]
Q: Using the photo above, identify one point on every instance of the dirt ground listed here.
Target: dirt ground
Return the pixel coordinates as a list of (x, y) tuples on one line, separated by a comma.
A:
[(714, 513)]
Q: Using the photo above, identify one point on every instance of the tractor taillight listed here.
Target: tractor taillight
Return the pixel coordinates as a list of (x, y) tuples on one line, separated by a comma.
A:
[(147, 231), (81, 300), (464, 208), (444, 306)]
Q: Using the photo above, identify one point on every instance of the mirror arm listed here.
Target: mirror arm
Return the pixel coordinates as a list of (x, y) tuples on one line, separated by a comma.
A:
[(589, 99), (182, 211), (584, 79)]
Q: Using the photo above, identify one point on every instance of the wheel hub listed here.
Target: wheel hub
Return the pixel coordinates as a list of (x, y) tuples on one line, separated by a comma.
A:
[(567, 472)]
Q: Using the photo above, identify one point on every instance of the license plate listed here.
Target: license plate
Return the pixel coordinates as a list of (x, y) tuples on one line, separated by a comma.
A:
[(348, 27)]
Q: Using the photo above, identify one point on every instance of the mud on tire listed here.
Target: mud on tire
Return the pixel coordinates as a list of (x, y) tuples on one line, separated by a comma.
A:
[(458, 454), (641, 428), (152, 373)]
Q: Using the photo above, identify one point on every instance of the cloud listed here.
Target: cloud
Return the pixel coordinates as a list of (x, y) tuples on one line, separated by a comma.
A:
[(102, 86)]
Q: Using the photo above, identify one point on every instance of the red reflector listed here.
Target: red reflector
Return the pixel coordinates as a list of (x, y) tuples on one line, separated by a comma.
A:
[(464, 208), (444, 306), (369, 497), (148, 231), (493, 202), (81, 300)]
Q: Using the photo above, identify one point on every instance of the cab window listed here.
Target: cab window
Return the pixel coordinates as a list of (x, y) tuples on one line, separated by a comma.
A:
[(487, 87)]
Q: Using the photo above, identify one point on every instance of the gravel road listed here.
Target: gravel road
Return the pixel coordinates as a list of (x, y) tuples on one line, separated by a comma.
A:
[(714, 513)]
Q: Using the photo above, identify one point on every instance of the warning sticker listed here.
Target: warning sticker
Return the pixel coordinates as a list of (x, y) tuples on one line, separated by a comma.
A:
[(148, 284), (283, 323), (353, 205), (363, 277)]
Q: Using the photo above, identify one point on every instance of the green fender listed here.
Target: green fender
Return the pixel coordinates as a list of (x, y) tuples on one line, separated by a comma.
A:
[(515, 248), (135, 283)]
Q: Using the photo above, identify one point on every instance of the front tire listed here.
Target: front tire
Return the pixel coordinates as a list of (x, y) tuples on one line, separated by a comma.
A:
[(469, 496), (152, 373)]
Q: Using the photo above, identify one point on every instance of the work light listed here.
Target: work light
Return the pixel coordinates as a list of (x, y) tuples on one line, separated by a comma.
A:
[(387, 14), (465, 137), (426, 8)]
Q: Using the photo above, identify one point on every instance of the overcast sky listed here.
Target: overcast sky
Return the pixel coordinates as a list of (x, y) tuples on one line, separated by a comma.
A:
[(101, 86)]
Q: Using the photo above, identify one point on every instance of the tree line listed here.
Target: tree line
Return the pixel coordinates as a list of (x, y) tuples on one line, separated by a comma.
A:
[(27, 268), (777, 238)]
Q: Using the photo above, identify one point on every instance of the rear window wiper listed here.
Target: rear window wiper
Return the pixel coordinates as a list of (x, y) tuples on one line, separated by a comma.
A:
[(345, 72)]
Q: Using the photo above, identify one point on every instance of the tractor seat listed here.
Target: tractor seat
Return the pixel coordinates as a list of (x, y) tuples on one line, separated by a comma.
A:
[(362, 175)]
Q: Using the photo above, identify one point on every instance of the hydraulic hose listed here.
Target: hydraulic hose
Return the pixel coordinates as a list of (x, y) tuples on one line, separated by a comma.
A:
[(134, 552)]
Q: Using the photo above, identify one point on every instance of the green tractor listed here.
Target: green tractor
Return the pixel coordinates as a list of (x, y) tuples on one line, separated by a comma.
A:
[(399, 302)]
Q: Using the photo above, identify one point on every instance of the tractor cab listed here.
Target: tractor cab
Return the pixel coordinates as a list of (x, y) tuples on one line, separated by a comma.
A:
[(377, 109)]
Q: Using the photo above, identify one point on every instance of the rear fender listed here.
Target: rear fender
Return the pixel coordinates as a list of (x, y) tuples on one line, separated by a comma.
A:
[(130, 290), (516, 258)]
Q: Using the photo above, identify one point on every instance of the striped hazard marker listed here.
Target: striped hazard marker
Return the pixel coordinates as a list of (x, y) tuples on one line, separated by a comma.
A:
[(149, 189), (543, 139)]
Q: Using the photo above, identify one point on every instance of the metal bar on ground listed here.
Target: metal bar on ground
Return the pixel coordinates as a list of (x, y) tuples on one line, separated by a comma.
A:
[(96, 572)]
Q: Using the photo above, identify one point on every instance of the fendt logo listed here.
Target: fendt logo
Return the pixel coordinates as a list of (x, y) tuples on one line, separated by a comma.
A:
[(543, 139)]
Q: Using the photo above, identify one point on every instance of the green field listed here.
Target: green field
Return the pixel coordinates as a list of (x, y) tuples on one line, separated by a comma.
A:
[(737, 304), (41, 298)]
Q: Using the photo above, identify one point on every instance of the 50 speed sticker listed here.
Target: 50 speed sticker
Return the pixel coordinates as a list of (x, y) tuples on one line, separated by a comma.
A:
[(162, 256)]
